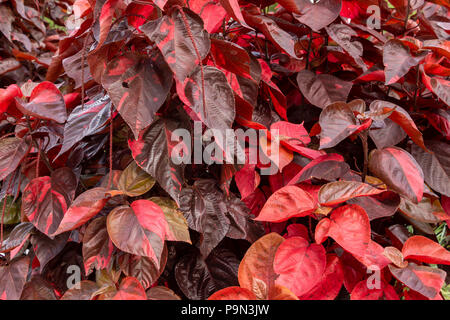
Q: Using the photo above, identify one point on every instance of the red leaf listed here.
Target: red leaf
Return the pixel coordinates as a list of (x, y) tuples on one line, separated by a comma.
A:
[(297, 230), (130, 289), (85, 207), (233, 293), (7, 96), (247, 180), (45, 200), (233, 9), (437, 85), (349, 226), (300, 265), (331, 281), (286, 203), (423, 249), (315, 15), (46, 102), (362, 292)]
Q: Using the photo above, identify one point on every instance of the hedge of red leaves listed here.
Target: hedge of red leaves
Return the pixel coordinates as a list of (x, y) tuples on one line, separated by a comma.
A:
[(92, 91)]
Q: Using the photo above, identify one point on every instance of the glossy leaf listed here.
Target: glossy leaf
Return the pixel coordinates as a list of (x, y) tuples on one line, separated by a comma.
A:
[(337, 122), (134, 181), (315, 15), (46, 102), (399, 170), (198, 279), (130, 289), (153, 153), (178, 45), (425, 280), (397, 60), (86, 121), (12, 152), (97, 246), (349, 226), (138, 87), (139, 229), (330, 283), (340, 191), (381, 205), (45, 200), (211, 97), (286, 203), (256, 271), (12, 278), (299, 264), (178, 226), (322, 89), (142, 268), (435, 165), (423, 249), (86, 206)]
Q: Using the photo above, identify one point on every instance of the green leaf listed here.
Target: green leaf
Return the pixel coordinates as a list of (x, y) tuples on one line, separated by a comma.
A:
[(134, 181), (175, 219)]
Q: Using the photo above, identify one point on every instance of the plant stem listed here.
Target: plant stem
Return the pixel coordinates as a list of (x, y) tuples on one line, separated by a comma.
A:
[(363, 136), (42, 156), (408, 7), (309, 48)]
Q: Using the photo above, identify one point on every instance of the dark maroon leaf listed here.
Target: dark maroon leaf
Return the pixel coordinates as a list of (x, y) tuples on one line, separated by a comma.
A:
[(97, 246), (204, 207), (86, 121), (211, 97), (328, 167), (138, 87), (315, 15), (322, 89), (172, 34), (38, 289), (12, 152), (398, 60), (342, 34), (46, 249), (153, 152), (13, 277), (400, 117), (198, 278), (435, 165), (17, 237), (337, 122), (378, 206), (142, 268), (420, 278)]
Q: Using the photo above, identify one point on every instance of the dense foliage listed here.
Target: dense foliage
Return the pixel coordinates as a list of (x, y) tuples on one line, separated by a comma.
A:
[(92, 91)]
